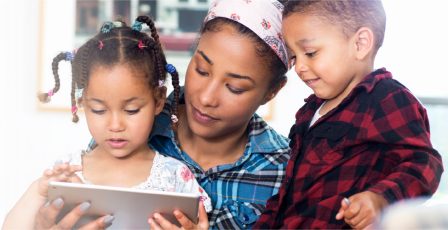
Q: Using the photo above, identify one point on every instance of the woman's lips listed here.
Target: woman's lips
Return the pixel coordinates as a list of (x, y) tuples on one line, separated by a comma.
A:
[(202, 118)]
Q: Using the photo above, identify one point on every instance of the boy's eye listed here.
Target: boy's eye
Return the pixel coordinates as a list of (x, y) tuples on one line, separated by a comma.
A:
[(98, 111), (201, 72), (132, 111), (311, 54)]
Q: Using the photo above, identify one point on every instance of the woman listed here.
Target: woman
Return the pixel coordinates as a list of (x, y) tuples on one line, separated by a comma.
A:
[(239, 64)]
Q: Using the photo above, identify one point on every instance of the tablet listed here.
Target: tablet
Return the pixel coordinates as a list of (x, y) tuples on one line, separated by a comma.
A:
[(130, 207)]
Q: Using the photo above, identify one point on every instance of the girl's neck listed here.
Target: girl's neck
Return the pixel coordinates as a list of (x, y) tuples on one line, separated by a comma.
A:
[(100, 167), (209, 153)]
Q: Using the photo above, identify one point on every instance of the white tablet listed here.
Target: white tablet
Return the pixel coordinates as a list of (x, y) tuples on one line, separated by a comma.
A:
[(130, 207)]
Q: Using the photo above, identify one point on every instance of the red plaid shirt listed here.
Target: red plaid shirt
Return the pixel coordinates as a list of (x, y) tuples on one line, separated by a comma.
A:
[(377, 139)]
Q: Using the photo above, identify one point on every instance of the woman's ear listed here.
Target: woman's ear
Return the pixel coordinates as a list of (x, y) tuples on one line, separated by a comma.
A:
[(364, 41), (272, 93), (160, 98)]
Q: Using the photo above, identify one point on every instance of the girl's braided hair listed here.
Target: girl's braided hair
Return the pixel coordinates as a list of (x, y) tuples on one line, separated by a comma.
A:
[(115, 44)]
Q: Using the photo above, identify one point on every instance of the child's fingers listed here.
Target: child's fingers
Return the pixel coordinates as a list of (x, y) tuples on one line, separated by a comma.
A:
[(358, 221), (352, 210), (344, 205), (183, 220), (153, 224), (203, 218), (162, 222)]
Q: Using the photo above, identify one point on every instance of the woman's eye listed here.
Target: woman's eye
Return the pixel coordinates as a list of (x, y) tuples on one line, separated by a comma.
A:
[(235, 90), (201, 72), (311, 54), (98, 111), (132, 111)]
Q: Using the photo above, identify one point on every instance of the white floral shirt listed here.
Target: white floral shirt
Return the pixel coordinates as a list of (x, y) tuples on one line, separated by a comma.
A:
[(167, 174)]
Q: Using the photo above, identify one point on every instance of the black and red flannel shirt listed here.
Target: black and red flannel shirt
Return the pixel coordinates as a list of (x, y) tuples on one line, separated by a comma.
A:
[(376, 139)]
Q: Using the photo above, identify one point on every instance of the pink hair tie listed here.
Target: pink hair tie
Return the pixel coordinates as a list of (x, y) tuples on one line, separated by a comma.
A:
[(100, 45), (74, 109), (141, 45), (50, 93)]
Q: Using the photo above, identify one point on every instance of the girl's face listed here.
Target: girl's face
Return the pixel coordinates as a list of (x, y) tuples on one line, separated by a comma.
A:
[(120, 109), (226, 82), (324, 57)]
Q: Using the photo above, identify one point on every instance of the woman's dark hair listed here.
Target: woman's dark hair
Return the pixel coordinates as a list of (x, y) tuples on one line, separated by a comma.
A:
[(274, 63)]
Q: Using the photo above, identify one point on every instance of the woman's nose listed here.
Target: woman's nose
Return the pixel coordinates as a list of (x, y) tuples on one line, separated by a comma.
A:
[(209, 96)]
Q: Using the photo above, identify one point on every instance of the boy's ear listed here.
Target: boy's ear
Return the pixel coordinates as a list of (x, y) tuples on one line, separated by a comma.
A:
[(271, 94), (364, 42), (160, 97)]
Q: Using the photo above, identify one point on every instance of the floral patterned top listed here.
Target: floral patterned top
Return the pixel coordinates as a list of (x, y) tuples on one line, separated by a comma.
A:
[(167, 174)]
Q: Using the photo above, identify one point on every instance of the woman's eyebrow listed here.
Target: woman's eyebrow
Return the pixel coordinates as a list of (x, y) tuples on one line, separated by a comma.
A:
[(206, 58)]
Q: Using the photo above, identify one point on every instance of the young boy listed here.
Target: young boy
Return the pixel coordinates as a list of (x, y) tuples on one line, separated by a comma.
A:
[(362, 140)]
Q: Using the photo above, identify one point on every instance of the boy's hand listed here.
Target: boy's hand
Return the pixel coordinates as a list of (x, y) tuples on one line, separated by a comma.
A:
[(157, 222), (362, 209), (60, 172)]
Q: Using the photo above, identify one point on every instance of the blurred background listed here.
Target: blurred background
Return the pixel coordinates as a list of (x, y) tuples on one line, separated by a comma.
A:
[(34, 31)]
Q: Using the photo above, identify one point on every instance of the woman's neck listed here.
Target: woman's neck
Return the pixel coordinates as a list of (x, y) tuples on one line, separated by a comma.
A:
[(211, 152)]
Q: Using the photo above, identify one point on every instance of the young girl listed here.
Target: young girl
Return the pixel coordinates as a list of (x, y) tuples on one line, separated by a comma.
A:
[(118, 78)]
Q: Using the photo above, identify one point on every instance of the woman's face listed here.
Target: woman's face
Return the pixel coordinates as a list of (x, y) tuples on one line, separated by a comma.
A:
[(226, 82)]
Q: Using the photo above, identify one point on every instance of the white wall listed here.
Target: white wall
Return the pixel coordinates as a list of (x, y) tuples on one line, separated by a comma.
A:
[(415, 51)]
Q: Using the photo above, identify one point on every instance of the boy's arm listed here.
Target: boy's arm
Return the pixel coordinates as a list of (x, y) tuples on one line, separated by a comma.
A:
[(402, 125), (23, 213)]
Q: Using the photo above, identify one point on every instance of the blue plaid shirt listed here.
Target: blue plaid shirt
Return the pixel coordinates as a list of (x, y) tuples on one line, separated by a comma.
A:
[(238, 191)]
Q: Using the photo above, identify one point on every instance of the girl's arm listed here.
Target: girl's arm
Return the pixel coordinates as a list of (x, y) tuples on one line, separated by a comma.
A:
[(24, 211)]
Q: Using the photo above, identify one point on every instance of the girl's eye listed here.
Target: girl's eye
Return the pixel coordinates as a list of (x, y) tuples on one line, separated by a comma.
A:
[(132, 111), (98, 111), (311, 54), (200, 72), (235, 90)]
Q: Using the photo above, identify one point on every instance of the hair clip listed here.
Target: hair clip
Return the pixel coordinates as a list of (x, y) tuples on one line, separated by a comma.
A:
[(170, 68), (118, 24), (137, 26), (106, 27), (161, 82), (78, 93), (74, 109), (100, 44), (141, 45), (69, 56), (50, 93), (174, 118)]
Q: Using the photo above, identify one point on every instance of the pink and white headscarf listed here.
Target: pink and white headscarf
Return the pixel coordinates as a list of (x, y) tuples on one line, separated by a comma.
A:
[(263, 17)]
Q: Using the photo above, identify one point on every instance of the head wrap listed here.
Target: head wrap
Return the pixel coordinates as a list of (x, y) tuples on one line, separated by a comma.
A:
[(263, 17)]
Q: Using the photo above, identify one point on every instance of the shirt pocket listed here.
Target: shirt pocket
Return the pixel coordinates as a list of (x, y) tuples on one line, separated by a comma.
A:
[(245, 214), (327, 143)]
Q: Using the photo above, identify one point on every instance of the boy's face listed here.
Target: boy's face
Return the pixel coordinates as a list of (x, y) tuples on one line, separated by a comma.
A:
[(120, 109), (324, 57)]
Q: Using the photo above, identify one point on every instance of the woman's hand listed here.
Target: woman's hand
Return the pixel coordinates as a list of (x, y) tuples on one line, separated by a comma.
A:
[(159, 222), (46, 217)]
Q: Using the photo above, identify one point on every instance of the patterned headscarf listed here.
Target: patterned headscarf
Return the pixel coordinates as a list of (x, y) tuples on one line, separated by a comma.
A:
[(263, 17)]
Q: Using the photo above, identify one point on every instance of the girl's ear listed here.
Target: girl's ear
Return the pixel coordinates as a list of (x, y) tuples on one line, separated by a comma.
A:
[(364, 41), (272, 93), (160, 98)]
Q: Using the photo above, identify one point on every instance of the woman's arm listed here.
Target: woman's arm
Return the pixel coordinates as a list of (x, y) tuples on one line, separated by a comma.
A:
[(24, 211)]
